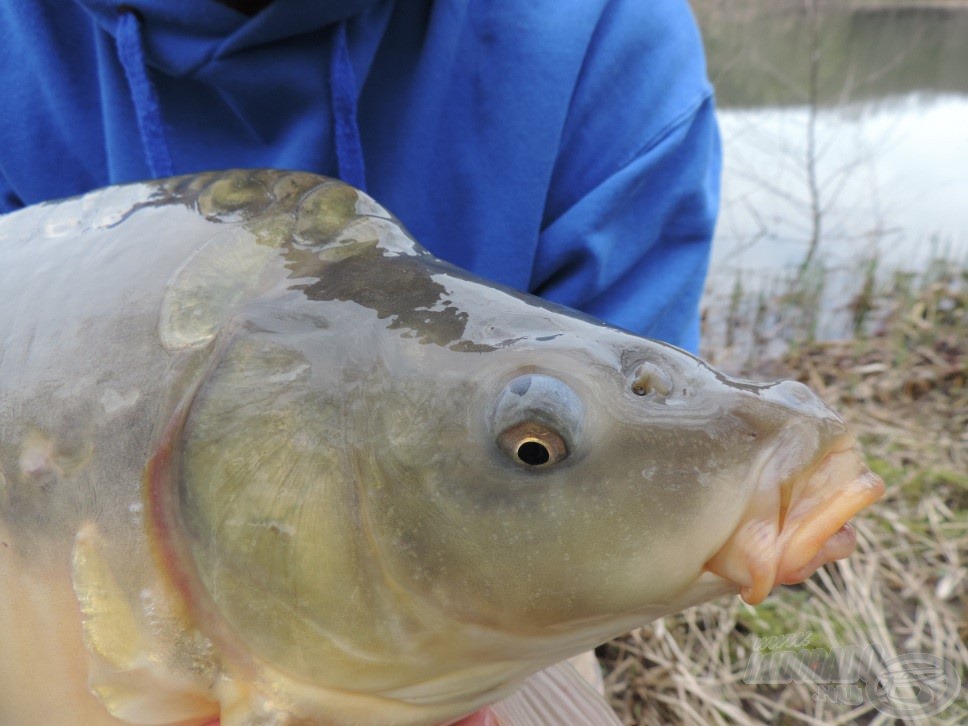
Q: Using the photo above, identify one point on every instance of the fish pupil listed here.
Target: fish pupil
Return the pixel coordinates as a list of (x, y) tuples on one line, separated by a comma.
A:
[(533, 453)]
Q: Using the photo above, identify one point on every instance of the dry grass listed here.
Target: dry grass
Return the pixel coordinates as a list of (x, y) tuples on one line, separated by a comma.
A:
[(902, 387)]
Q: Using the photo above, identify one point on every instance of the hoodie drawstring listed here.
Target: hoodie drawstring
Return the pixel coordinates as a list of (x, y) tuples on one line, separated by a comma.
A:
[(346, 131), (343, 92), (132, 56)]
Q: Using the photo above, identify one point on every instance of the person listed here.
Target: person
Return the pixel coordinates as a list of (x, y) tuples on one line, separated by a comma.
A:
[(564, 148)]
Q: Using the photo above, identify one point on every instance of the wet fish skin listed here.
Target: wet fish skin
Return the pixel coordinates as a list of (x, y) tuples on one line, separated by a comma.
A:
[(259, 455)]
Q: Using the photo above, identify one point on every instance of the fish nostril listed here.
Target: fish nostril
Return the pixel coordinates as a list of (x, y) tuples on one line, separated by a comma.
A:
[(649, 378)]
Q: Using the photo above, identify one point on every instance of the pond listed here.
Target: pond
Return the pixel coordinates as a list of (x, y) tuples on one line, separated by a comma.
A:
[(845, 131)]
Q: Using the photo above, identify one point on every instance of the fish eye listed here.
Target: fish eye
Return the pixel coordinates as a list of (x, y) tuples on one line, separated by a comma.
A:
[(537, 420), (533, 444)]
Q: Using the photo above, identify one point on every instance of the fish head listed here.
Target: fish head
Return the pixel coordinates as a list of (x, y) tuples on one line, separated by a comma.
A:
[(583, 477)]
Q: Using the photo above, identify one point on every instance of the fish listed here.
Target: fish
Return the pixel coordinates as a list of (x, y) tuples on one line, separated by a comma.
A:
[(265, 459)]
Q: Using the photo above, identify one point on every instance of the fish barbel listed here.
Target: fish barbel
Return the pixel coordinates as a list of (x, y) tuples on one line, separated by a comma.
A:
[(264, 459)]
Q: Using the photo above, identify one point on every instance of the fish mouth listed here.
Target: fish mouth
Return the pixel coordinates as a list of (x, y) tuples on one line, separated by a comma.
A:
[(794, 526)]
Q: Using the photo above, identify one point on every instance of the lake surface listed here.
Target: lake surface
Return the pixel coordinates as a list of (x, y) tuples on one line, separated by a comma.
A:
[(845, 131)]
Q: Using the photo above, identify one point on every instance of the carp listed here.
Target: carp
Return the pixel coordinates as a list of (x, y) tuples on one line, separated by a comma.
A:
[(265, 459)]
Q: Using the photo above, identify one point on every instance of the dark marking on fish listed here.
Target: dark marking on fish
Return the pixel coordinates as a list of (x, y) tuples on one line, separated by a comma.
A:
[(399, 288)]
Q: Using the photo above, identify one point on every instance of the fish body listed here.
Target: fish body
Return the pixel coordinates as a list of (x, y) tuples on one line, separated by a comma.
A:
[(265, 459)]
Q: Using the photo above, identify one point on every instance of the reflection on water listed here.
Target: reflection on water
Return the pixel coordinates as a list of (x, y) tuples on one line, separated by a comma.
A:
[(760, 51), (845, 127), (892, 180)]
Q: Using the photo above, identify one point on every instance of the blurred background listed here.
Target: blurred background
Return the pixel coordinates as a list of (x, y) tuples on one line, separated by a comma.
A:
[(845, 127), (840, 259)]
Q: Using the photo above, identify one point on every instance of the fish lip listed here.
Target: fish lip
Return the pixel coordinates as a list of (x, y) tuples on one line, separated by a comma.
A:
[(839, 545), (791, 530)]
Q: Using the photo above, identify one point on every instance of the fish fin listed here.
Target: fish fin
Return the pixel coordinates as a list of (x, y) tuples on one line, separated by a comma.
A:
[(556, 695), (214, 282), (127, 673)]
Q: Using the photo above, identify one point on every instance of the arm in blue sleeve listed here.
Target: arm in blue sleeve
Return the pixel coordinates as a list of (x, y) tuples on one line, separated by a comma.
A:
[(634, 249), (632, 202)]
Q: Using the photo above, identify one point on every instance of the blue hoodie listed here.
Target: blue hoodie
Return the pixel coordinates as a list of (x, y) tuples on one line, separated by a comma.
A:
[(564, 147)]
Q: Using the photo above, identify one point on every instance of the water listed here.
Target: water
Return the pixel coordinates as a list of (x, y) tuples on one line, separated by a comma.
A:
[(845, 128)]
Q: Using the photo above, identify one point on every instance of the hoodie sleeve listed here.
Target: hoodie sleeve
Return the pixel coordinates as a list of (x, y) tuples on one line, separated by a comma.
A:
[(631, 212)]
